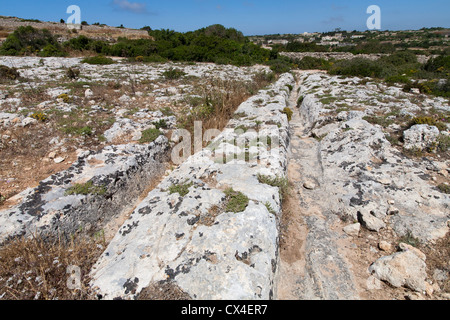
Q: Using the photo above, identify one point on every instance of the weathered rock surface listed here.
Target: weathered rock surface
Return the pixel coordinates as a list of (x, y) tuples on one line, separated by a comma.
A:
[(406, 268), (420, 136), (362, 168), (192, 240), (120, 173)]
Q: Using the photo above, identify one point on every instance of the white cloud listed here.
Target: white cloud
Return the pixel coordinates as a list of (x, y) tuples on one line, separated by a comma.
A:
[(136, 7)]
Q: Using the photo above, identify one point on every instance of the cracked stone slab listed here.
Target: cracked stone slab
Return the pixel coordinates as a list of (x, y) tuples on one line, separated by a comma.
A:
[(122, 172), (191, 240)]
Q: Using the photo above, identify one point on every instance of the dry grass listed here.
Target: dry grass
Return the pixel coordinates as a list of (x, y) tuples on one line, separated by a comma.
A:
[(37, 269), (219, 100)]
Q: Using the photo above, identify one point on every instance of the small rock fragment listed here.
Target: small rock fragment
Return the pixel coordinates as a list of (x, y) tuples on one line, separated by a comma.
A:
[(352, 229), (59, 159)]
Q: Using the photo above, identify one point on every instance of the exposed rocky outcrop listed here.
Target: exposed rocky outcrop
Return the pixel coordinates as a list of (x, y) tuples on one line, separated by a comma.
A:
[(103, 184), (193, 241)]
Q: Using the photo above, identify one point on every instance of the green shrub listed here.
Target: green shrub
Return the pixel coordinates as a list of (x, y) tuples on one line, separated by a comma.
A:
[(100, 59), (28, 40), (400, 58), (359, 67), (160, 124), (310, 63), (429, 121), (397, 79), (2, 199), (80, 43), (438, 64), (149, 135), (51, 50), (280, 65)]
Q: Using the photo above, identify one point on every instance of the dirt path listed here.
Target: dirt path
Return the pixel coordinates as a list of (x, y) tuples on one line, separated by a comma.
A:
[(311, 265)]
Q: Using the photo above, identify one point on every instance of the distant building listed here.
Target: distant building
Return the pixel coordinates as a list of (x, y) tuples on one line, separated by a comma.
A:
[(282, 42)]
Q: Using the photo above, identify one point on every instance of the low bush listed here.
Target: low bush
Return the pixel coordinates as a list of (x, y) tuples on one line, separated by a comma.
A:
[(7, 73), (173, 74), (429, 121), (360, 67), (312, 63), (72, 73), (100, 59)]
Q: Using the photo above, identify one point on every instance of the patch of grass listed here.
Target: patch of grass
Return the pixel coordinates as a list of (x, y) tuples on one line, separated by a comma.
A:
[(166, 111), (182, 189), (318, 138), (413, 152), (328, 100), (269, 208), (241, 128), (173, 74), (2, 199), (393, 139), (429, 121), (160, 124), (36, 269), (85, 189), (150, 135), (443, 143), (78, 131), (281, 183), (444, 188), (236, 201), (408, 238), (288, 112), (382, 121)]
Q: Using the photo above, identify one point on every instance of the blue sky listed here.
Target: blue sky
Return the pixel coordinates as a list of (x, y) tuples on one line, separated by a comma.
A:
[(250, 16)]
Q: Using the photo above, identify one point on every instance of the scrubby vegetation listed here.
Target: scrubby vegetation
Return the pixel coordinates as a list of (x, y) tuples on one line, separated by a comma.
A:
[(28, 40), (212, 44), (150, 135), (100, 59), (36, 268), (85, 189), (7, 74), (182, 189), (236, 201)]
